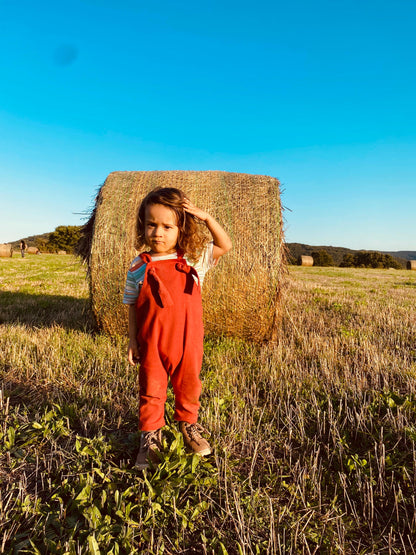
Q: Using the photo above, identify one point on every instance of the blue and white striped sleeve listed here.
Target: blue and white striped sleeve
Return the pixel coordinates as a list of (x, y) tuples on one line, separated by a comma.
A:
[(131, 290), (134, 281)]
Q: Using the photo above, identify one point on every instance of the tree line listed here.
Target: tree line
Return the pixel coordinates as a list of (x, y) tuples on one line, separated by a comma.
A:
[(359, 259), (64, 238)]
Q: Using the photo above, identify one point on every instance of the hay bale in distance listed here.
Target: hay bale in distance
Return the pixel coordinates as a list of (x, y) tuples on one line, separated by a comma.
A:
[(411, 265), (61, 252), (32, 250), (241, 295), (6, 250), (305, 260)]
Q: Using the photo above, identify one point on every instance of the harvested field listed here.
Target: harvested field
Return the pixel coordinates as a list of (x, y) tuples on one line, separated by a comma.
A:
[(314, 436)]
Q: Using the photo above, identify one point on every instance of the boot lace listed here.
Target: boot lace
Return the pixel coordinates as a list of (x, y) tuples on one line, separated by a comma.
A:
[(150, 439), (194, 431)]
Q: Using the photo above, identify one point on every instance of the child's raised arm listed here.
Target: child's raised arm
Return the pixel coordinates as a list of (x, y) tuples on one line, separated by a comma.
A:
[(222, 241)]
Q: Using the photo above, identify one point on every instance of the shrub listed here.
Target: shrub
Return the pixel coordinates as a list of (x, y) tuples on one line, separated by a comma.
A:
[(65, 237), (322, 258), (368, 259)]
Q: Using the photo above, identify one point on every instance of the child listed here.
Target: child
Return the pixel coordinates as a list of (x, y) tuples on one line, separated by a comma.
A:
[(163, 291)]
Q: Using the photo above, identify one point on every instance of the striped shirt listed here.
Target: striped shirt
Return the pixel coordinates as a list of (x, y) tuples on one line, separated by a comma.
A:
[(137, 270)]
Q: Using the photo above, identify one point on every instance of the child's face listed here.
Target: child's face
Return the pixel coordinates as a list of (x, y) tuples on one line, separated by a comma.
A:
[(161, 230)]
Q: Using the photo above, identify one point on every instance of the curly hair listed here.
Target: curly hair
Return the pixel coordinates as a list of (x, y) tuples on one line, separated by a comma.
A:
[(191, 237)]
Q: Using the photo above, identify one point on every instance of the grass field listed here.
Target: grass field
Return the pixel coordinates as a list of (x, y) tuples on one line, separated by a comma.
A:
[(314, 436)]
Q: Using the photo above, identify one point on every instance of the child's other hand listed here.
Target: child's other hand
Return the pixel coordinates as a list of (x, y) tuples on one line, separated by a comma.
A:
[(195, 211), (133, 353)]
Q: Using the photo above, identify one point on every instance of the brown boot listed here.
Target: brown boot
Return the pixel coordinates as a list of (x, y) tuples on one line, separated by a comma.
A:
[(193, 440), (150, 446)]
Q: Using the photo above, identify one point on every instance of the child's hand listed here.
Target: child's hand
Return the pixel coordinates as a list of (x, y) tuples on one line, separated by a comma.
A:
[(133, 353), (195, 211), (222, 242)]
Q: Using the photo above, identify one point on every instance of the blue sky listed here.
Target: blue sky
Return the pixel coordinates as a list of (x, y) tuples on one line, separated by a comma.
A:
[(319, 94)]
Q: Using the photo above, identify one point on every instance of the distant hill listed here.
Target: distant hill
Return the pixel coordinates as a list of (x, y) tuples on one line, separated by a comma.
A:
[(62, 238), (406, 255), (337, 253), (31, 241)]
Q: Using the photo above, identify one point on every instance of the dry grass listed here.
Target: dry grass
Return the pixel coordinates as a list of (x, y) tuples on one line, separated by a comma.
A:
[(314, 436), (246, 282)]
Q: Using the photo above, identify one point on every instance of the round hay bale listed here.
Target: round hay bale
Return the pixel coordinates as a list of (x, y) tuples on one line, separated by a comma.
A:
[(32, 250), (241, 295), (411, 265), (6, 250), (61, 252), (305, 260)]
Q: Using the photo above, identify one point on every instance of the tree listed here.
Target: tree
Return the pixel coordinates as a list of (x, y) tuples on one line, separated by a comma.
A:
[(367, 259), (322, 258), (348, 261), (43, 244), (65, 238)]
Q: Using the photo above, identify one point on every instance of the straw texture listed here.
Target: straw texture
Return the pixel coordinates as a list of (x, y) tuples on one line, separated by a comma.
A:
[(305, 260), (241, 295), (6, 250)]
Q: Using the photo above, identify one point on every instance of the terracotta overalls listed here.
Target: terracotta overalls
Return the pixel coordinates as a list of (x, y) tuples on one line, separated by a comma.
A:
[(170, 337)]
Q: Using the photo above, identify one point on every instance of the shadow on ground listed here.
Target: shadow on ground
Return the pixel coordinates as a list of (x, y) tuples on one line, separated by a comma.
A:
[(45, 310)]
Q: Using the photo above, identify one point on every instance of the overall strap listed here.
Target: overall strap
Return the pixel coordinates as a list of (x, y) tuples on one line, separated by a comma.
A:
[(180, 265), (190, 272), (164, 294), (152, 274), (146, 257)]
